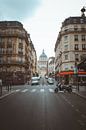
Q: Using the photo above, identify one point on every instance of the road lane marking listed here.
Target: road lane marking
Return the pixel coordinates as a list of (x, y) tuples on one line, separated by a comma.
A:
[(51, 90), (33, 90), (61, 91), (41, 90), (25, 90), (17, 90)]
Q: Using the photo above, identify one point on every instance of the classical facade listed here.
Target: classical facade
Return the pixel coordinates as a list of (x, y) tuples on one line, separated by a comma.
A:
[(70, 49), (42, 64), (16, 53)]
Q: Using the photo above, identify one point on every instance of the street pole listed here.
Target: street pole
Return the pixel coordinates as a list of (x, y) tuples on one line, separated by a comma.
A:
[(76, 73)]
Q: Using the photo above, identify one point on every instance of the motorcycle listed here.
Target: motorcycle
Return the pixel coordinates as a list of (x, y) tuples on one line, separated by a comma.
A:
[(57, 88), (68, 88), (64, 88)]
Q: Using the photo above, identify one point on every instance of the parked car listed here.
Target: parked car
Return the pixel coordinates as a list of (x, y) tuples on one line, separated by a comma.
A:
[(50, 80), (34, 81), (46, 77)]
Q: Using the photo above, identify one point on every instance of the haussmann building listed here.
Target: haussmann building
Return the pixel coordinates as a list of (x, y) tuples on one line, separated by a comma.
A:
[(70, 50), (17, 53)]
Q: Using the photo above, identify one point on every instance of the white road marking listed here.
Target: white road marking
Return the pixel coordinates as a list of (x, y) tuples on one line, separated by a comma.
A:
[(25, 90), (17, 90), (51, 90), (61, 91), (41, 90), (33, 90)]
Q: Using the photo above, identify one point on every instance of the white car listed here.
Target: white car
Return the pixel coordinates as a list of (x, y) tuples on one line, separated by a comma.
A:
[(50, 80), (34, 81), (46, 77)]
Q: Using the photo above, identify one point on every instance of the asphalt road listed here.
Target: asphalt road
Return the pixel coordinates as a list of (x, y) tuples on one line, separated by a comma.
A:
[(39, 108)]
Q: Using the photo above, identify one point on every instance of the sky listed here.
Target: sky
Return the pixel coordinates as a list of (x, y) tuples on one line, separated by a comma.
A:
[(42, 19)]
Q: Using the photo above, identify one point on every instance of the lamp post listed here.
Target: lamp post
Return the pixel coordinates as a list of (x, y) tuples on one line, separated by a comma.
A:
[(76, 74)]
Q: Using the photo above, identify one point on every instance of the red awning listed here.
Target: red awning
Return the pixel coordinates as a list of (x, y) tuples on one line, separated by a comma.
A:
[(71, 73)]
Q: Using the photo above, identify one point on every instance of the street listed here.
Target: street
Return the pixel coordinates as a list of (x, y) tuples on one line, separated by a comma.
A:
[(39, 108)]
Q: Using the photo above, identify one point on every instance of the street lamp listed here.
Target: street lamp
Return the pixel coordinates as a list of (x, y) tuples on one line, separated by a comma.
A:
[(76, 74), (83, 10)]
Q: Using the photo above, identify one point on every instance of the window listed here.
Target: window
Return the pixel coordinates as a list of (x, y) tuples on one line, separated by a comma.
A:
[(20, 49), (83, 37), (9, 59), (66, 29), (9, 45), (20, 45), (76, 47), (82, 27), (74, 20), (1, 50), (9, 40), (20, 40), (20, 60), (20, 52), (9, 51), (75, 28), (81, 20), (75, 37), (66, 68), (0, 39), (66, 47), (83, 57), (83, 46), (65, 38), (1, 60), (66, 57), (76, 57)]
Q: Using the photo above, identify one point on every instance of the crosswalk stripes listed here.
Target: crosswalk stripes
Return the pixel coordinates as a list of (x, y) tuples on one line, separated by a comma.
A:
[(41, 90), (51, 90), (17, 90), (33, 90), (25, 90)]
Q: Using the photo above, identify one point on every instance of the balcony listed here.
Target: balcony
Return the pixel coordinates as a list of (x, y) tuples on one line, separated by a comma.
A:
[(72, 30), (12, 33)]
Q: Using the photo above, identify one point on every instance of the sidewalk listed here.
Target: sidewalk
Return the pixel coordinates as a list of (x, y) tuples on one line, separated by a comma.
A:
[(5, 92), (81, 92)]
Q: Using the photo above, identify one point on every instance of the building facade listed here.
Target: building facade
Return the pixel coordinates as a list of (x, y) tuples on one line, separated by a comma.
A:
[(42, 64), (51, 66), (15, 53), (70, 49)]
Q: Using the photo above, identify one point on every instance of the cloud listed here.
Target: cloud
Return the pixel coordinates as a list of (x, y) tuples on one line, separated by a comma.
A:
[(18, 9)]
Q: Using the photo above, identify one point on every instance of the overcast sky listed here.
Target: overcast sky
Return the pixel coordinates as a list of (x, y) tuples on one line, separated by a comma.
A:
[(41, 18)]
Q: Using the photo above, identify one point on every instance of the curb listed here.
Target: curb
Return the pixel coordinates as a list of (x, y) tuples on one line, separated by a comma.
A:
[(80, 95), (5, 95)]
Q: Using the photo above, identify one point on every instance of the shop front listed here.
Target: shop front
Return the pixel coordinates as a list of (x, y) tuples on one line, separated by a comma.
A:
[(73, 78)]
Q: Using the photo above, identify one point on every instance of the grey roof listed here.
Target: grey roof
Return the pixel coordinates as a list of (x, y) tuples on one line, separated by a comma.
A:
[(43, 55)]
